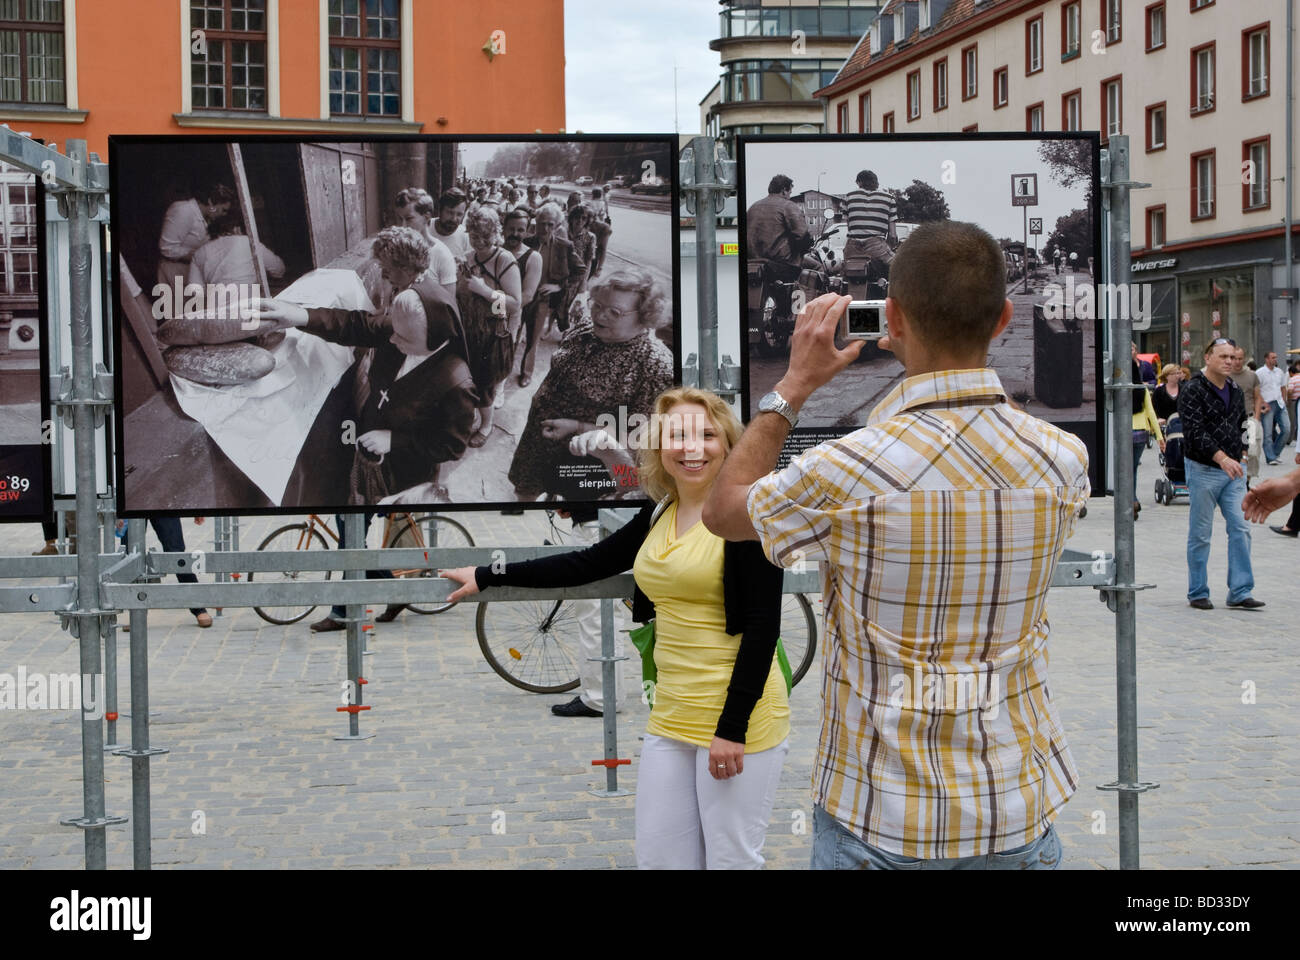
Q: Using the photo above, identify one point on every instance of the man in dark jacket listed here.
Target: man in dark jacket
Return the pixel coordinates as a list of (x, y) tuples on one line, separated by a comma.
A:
[(1212, 408), (776, 231)]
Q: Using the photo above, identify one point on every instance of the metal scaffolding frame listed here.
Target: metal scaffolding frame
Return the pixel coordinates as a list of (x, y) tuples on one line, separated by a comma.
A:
[(96, 587)]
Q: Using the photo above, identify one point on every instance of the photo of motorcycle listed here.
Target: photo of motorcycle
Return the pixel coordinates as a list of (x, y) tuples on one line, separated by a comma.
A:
[(774, 304)]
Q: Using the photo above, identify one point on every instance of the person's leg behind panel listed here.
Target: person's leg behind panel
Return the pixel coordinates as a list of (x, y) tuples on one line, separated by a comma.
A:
[(735, 813), (1202, 488), (668, 835), (168, 530), (587, 615), (1241, 577)]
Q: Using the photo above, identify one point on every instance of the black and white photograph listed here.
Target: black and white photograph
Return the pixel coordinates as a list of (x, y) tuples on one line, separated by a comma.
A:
[(311, 324), (24, 434), (827, 216)]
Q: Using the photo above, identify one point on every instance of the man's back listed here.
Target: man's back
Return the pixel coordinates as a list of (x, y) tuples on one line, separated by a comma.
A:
[(939, 527), (870, 212), (775, 229)]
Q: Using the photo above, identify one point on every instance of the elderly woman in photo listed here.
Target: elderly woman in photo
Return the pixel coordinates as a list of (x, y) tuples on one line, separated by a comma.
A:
[(611, 366), (490, 298)]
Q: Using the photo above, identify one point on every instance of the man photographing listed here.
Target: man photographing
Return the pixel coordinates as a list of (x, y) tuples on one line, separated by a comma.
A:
[(938, 527)]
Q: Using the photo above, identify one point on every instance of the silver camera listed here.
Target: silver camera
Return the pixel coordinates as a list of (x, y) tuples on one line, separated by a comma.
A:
[(863, 320)]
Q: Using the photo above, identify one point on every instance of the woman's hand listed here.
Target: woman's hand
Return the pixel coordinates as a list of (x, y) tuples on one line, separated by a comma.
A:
[(726, 759), (282, 312), (479, 287), (465, 577), (376, 442), (561, 428)]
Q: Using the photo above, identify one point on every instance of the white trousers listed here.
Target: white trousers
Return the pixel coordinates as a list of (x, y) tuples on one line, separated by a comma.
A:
[(588, 616), (686, 820)]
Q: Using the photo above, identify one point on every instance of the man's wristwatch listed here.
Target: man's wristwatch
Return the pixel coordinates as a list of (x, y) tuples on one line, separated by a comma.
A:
[(773, 402)]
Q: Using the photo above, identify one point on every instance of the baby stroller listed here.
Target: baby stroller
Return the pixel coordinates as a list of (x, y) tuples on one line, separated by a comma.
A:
[(1174, 482)]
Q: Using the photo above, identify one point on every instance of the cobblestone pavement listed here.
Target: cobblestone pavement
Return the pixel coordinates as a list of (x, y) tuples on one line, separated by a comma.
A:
[(248, 713)]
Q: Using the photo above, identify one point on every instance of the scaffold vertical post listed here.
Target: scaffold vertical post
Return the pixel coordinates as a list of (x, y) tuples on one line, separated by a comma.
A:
[(354, 538)]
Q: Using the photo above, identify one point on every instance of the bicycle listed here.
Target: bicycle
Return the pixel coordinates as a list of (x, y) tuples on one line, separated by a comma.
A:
[(533, 644), (400, 529)]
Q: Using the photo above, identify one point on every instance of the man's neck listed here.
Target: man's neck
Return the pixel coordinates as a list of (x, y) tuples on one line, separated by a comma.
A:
[(1217, 379), (923, 366)]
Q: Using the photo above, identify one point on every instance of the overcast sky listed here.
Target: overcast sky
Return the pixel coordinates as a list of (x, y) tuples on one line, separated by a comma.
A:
[(619, 57)]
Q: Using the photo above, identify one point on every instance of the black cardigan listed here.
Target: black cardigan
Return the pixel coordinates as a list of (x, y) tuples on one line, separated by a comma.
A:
[(751, 591)]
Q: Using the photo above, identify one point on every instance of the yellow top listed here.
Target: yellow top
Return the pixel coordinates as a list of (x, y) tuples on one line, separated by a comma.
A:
[(694, 654)]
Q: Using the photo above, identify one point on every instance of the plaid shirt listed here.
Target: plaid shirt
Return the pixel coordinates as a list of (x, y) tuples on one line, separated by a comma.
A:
[(939, 527)]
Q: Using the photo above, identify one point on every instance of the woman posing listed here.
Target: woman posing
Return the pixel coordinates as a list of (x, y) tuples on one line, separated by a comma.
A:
[(719, 715)]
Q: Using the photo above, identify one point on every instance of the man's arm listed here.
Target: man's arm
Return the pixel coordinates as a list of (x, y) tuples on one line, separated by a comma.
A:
[(814, 360), (1271, 495)]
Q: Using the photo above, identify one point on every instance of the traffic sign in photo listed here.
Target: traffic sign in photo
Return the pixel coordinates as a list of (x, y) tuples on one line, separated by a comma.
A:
[(1024, 190), (1036, 226)]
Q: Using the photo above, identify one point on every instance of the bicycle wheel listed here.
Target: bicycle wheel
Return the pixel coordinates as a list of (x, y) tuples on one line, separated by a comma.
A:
[(532, 644), (296, 536), (798, 633), (430, 530)]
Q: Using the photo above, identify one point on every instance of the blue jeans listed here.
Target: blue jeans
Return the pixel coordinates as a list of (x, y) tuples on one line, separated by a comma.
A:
[(835, 847), (1277, 429), (1209, 487)]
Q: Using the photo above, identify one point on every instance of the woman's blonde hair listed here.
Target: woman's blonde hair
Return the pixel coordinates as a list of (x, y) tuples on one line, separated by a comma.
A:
[(1167, 369), (655, 480)]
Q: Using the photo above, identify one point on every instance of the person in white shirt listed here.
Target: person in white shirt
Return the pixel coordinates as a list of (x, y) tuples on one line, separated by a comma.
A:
[(449, 228), (228, 257), (1273, 391), (185, 229), (415, 209)]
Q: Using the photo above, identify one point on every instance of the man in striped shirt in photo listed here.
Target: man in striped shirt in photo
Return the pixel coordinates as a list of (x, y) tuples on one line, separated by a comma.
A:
[(872, 214), (938, 528)]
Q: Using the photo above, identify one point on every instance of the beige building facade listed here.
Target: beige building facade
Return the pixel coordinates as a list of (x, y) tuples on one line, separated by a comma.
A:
[(1200, 87)]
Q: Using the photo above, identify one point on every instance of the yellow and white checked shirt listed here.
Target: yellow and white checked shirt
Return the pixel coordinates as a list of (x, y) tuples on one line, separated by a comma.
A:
[(938, 527)]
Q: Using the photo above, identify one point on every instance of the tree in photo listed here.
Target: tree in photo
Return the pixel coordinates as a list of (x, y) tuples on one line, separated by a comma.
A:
[(921, 203), (1069, 162), (1073, 233)]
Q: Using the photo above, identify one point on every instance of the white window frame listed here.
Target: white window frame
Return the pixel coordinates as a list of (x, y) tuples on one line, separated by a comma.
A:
[(1205, 79), (914, 95), (1074, 112), (1036, 116), (1114, 27), (1073, 13), (1115, 109), (941, 88), (1205, 186), (1036, 44), (1001, 87), (1257, 79), (971, 59), (408, 63), (1157, 15), (1257, 192), (1152, 216), (1163, 113)]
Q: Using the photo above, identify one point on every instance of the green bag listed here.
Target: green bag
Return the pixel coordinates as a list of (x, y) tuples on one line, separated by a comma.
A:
[(643, 638)]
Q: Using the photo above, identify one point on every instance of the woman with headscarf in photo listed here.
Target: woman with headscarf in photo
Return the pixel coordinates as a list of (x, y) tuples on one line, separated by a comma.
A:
[(609, 366), (490, 298)]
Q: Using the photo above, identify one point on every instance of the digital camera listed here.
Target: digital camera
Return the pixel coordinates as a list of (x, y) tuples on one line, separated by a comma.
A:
[(863, 320)]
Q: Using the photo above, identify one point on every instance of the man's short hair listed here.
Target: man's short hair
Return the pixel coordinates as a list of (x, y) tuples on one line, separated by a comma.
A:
[(868, 180), (517, 213), (950, 280), (418, 196), (401, 247), (452, 198), (780, 183)]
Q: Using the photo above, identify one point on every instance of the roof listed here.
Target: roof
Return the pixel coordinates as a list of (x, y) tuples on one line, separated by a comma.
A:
[(861, 58)]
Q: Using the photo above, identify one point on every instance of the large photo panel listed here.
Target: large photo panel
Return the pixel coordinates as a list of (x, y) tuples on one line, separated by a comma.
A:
[(25, 430), (1037, 194), (314, 324)]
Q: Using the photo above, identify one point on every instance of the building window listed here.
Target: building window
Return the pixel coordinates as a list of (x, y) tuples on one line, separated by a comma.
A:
[(18, 252), (1072, 110), (969, 73), (31, 51), (1111, 20), (842, 118), (228, 69), (864, 112), (1201, 4), (973, 128), (1112, 107), (1254, 62), (1203, 78), (1155, 227), (887, 122), (1203, 185), (941, 84), (913, 95), (1034, 45), (1070, 30), (924, 14), (1255, 194), (1001, 87), (1155, 26), (1155, 127), (1034, 118), (365, 56)]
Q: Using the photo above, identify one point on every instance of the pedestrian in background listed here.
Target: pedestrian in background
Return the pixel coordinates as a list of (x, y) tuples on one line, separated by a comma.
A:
[(1273, 387), (1213, 408)]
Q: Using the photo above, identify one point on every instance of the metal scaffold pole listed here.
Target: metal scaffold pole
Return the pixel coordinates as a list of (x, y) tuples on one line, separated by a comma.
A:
[(86, 622), (1121, 597)]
